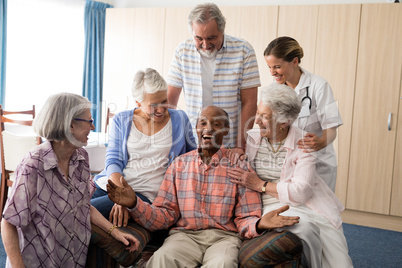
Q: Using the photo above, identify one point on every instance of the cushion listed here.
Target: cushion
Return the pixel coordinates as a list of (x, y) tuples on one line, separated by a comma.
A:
[(114, 248), (272, 249)]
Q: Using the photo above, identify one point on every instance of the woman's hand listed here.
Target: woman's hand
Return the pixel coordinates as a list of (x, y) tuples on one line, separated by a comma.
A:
[(245, 178), (310, 143), (129, 240), (273, 220), (235, 154), (119, 215), (124, 196)]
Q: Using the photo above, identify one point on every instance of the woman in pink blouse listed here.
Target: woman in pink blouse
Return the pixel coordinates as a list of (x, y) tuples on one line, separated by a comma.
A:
[(286, 175), (47, 217)]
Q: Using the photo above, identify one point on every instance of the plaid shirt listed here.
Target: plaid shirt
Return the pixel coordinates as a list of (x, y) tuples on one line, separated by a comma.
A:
[(51, 213), (196, 196)]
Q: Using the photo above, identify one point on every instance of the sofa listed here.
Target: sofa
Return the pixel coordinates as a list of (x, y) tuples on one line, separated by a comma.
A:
[(272, 249)]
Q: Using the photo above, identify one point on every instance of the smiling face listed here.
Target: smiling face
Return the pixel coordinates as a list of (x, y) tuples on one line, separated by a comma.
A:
[(154, 106), (212, 126), (283, 71), (207, 38), (266, 121), (81, 129)]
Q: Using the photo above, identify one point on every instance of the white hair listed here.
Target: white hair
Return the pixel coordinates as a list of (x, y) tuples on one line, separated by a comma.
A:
[(203, 13), (283, 101), (54, 120), (148, 81)]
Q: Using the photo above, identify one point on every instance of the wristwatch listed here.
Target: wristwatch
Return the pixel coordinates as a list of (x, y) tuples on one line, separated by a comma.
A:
[(263, 187)]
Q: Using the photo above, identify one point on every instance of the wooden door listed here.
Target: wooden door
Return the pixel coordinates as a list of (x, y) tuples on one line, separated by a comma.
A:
[(260, 28), (175, 31), (376, 96), (335, 60), (396, 195), (133, 40), (300, 22)]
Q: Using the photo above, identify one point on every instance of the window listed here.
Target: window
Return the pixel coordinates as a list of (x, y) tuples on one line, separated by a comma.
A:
[(45, 50)]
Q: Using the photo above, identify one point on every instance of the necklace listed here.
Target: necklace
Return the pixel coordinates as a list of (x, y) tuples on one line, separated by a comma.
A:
[(272, 146)]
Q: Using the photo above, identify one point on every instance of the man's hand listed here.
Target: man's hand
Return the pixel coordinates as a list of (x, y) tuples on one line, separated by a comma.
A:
[(123, 196), (119, 215), (273, 220)]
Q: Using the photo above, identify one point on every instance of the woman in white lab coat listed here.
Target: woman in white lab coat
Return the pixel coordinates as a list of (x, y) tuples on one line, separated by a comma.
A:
[(319, 117)]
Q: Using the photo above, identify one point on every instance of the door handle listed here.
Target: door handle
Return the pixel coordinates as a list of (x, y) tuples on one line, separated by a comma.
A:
[(389, 121)]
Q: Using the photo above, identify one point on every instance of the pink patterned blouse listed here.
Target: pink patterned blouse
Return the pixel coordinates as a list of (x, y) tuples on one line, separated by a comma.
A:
[(52, 214)]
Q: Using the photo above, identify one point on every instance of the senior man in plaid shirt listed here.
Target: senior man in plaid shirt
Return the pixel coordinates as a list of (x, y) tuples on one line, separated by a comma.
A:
[(209, 214)]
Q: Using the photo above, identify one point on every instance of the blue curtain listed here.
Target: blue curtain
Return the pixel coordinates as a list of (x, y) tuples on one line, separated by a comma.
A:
[(94, 23), (3, 46)]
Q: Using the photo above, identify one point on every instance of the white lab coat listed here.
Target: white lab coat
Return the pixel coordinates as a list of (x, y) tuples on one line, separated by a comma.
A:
[(323, 114)]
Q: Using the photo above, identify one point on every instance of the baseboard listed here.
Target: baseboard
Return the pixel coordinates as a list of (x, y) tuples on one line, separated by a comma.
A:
[(386, 222)]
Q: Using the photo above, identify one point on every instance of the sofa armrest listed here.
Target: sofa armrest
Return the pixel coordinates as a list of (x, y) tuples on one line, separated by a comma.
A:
[(279, 249)]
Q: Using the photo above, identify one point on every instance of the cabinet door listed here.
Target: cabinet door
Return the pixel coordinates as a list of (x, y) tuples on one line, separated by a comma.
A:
[(133, 41), (396, 201), (259, 28), (300, 22), (176, 31), (376, 96), (342, 21)]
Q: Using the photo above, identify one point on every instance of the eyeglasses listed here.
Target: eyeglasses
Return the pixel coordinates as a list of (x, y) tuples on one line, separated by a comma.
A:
[(91, 121)]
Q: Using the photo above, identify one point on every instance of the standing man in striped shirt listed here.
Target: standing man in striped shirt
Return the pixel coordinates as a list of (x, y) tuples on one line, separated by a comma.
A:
[(209, 214), (213, 68)]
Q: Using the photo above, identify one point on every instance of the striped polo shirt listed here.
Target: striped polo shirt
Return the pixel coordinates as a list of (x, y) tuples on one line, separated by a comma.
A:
[(236, 69)]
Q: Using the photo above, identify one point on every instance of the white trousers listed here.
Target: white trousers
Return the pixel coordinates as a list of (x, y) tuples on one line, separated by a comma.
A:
[(323, 244), (327, 173)]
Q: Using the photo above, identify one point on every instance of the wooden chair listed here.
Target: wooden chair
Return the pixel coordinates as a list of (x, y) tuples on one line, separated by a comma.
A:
[(108, 116), (13, 147)]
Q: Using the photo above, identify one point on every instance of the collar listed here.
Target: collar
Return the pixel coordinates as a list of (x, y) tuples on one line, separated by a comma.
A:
[(290, 143), (293, 136), (50, 159), (304, 82), (223, 44), (216, 158), (254, 135)]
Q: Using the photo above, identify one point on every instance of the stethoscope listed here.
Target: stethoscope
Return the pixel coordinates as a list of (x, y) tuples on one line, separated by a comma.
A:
[(308, 98)]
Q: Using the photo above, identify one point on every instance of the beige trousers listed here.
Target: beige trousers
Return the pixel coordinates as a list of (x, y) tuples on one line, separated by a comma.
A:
[(204, 248)]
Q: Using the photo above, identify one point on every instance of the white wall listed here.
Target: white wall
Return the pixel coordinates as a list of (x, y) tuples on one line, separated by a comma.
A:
[(172, 3)]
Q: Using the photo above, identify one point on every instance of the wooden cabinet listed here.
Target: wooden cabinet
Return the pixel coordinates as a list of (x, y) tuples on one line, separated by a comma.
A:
[(259, 29), (396, 194), (338, 25), (377, 92), (134, 39), (356, 48)]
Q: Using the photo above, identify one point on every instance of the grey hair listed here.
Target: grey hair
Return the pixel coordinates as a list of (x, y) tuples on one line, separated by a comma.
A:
[(283, 101), (53, 122), (148, 81), (205, 12)]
